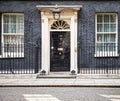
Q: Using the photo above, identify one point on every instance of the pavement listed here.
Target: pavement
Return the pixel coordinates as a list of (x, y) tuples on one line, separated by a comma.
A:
[(30, 80)]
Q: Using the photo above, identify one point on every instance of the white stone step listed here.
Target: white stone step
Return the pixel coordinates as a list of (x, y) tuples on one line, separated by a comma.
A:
[(57, 75)]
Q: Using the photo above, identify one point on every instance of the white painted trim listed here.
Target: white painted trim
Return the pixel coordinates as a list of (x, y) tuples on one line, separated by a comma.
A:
[(106, 54), (75, 41), (12, 14), (60, 30), (12, 55), (45, 45), (72, 58), (46, 41), (117, 33), (44, 7)]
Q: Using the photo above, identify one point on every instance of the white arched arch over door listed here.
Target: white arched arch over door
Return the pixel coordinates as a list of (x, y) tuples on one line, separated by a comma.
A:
[(69, 15), (60, 25)]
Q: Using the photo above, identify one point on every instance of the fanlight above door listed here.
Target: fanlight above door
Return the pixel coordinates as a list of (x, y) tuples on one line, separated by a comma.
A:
[(60, 25)]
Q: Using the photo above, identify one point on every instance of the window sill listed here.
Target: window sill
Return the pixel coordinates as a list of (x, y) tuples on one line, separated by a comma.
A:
[(12, 55), (106, 55), (7, 57)]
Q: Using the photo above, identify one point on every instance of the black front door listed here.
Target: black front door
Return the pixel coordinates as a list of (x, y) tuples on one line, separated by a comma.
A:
[(59, 51)]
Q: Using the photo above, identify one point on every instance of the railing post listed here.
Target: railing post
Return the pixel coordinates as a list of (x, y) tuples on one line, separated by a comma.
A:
[(78, 56), (36, 59)]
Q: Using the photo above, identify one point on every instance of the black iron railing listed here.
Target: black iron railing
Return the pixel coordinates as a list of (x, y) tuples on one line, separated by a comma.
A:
[(99, 60), (91, 60), (19, 60)]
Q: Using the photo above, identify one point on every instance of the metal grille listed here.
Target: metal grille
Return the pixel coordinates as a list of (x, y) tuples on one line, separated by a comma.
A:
[(95, 61), (16, 63)]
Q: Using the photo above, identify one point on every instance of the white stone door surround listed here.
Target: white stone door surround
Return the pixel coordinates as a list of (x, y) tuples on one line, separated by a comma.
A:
[(69, 14)]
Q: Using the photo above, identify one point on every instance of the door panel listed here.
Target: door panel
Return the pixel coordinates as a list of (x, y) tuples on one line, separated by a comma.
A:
[(59, 51)]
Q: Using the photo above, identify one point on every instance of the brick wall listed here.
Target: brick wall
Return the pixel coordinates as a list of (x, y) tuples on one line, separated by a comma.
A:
[(86, 25)]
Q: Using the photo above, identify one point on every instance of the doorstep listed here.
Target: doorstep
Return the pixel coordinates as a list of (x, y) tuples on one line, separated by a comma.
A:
[(57, 75)]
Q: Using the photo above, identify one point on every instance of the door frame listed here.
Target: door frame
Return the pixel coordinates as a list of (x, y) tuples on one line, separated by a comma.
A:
[(69, 12)]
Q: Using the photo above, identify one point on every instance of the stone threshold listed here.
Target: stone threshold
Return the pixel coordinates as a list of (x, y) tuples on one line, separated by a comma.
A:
[(57, 75)]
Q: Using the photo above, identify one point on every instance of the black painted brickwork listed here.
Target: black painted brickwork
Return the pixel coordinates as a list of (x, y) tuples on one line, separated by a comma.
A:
[(86, 27)]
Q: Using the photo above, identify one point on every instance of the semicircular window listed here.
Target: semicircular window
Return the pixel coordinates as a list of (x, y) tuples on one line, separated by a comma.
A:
[(60, 25)]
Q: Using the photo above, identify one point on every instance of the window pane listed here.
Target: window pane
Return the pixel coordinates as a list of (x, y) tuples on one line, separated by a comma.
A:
[(6, 28), (6, 23), (20, 28), (99, 18), (100, 47), (6, 39), (106, 38), (113, 47), (9, 23), (109, 47), (113, 28), (20, 47), (13, 24), (112, 38), (113, 18), (106, 47), (13, 43), (106, 18), (6, 48), (100, 38), (6, 18), (106, 28), (99, 28), (20, 19)]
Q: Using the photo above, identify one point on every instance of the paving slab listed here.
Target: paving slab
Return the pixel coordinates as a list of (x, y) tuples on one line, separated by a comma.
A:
[(31, 81)]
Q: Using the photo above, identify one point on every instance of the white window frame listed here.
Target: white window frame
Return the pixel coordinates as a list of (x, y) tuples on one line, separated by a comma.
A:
[(11, 54), (104, 53)]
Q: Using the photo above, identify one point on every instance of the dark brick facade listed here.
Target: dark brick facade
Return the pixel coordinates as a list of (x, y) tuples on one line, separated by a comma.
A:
[(86, 29)]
